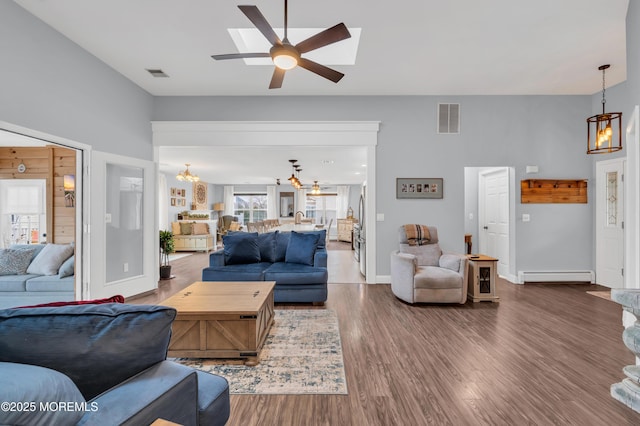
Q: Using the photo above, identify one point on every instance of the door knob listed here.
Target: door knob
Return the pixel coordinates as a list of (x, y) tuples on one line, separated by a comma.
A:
[(485, 227)]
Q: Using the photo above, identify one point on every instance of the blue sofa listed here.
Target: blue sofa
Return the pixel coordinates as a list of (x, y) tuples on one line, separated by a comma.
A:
[(296, 261), (100, 364), (22, 288)]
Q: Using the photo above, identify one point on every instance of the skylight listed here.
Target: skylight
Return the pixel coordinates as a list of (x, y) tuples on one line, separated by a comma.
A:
[(341, 53)]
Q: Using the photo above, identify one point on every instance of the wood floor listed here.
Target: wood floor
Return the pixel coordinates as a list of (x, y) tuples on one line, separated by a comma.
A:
[(544, 355)]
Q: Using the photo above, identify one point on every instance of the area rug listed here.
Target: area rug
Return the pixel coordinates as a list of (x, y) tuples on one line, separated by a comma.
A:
[(302, 355), (606, 294)]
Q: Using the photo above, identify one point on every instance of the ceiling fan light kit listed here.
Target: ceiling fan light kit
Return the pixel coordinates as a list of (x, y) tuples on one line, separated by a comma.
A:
[(604, 131), (286, 56)]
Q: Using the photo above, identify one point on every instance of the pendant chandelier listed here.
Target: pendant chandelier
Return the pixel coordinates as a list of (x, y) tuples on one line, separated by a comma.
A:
[(294, 180), (187, 176), (604, 131), (315, 189)]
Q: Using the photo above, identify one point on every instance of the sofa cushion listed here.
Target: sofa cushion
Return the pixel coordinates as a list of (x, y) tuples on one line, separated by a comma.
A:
[(239, 272), (97, 346), (14, 262), (295, 273), (427, 255), (282, 242), (15, 282), (301, 248), (321, 234), (50, 283), (241, 248), (433, 277), (49, 260), (67, 268), (33, 386), (267, 245)]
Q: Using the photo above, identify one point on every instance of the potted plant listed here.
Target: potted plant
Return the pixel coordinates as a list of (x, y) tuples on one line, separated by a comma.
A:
[(166, 248)]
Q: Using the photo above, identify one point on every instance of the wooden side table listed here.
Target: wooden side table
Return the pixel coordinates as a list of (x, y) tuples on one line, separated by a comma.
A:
[(482, 278)]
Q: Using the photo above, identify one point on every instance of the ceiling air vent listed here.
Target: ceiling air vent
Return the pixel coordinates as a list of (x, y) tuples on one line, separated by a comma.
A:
[(449, 118), (157, 73)]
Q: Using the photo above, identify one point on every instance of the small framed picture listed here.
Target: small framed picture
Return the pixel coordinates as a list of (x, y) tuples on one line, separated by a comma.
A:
[(173, 192), (419, 187), (173, 201), (183, 193), (183, 202)]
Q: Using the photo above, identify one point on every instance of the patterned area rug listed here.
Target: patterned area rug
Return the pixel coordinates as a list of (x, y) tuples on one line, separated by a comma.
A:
[(302, 355)]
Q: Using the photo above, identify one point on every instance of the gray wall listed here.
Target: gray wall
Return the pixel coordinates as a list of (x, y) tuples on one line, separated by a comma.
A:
[(515, 131), (50, 84), (80, 98)]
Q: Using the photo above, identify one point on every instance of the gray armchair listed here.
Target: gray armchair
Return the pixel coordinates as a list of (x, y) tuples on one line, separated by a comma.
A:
[(423, 274)]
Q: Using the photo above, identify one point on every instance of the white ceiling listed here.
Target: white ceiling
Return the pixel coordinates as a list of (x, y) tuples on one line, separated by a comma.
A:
[(263, 165), (410, 47)]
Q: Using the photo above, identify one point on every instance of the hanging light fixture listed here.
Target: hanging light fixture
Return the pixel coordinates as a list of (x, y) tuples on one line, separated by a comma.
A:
[(604, 131), (187, 176), (315, 189), (294, 180)]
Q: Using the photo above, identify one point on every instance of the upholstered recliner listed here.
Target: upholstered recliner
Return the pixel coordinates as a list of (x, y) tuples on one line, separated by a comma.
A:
[(423, 274)]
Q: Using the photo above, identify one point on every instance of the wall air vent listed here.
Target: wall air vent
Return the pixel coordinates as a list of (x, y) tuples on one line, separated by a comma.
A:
[(157, 73), (449, 118)]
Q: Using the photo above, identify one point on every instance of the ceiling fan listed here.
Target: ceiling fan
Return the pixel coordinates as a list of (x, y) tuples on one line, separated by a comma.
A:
[(286, 56)]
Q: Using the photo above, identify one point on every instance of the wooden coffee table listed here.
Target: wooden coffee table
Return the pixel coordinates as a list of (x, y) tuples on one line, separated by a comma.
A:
[(221, 320)]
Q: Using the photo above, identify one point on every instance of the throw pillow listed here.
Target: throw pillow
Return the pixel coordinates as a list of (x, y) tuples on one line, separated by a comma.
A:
[(241, 248), (322, 235), (113, 299), (282, 242), (68, 268), (49, 260), (428, 255), (200, 229), (15, 261), (267, 244), (185, 228), (301, 248), (175, 228)]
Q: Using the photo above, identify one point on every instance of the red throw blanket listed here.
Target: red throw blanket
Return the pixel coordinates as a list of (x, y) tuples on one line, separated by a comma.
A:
[(417, 235)]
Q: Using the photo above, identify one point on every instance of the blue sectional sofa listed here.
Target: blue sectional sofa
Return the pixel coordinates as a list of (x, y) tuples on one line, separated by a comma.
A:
[(296, 261), (52, 278), (100, 364)]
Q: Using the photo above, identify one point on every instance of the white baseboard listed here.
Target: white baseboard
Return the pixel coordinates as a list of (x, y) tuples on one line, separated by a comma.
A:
[(383, 279), (511, 278), (553, 276)]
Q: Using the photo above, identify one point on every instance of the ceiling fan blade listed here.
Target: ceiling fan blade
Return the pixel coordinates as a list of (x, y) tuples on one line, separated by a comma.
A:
[(240, 56), (321, 70), (276, 79), (258, 19), (330, 35)]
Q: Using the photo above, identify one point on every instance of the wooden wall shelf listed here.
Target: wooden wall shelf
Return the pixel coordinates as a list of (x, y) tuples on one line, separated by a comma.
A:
[(553, 191)]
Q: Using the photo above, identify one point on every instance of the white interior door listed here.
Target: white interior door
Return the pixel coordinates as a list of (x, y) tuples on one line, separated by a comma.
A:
[(493, 216), (610, 223), (123, 236)]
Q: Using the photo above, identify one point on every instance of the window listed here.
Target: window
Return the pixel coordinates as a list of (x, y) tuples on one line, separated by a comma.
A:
[(23, 219), (322, 208), (251, 207)]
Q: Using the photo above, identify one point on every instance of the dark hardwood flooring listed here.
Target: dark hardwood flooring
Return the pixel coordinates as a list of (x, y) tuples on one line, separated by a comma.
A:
[(544, 355)]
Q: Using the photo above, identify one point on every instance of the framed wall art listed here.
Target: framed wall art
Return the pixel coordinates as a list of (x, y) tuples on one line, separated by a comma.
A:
[(419, 187), (200, 195)]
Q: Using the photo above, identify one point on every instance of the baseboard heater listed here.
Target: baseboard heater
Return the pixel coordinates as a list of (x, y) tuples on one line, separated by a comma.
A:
[(555, 276)]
